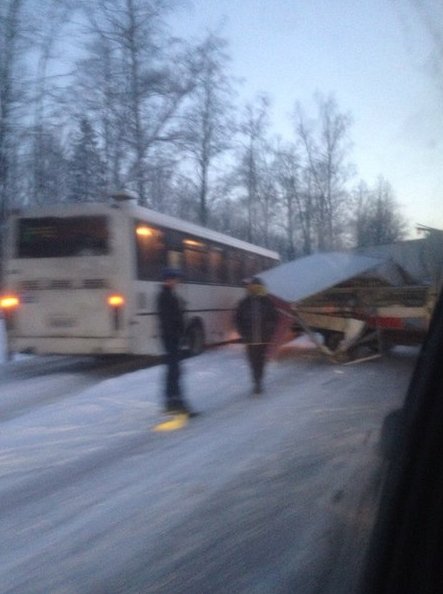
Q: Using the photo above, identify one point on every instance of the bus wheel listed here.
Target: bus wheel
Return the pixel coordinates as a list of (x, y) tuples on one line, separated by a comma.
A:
[(196, 339)]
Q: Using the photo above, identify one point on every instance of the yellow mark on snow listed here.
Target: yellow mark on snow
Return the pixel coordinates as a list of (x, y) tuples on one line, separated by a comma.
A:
[(176, 422)]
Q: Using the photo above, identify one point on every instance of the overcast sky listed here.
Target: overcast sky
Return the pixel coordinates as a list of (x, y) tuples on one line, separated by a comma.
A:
[(381, 59)]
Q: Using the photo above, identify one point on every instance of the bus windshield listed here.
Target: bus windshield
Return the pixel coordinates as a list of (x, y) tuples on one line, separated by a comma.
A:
[(61, 237)]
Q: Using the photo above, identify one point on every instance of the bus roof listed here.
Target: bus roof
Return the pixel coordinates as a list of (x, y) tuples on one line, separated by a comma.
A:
[(145, 214)]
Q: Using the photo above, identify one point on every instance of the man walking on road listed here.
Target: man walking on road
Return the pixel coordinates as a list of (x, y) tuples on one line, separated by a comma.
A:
[(172, 328), (256, 320)]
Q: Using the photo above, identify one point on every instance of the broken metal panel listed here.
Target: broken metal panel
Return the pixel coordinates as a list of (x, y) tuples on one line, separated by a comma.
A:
[(360, 296), (388, 273), (302, 278), (422, 258)]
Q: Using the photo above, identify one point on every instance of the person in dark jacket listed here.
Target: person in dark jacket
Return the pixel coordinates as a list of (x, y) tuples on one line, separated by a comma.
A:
[(172, 329), (256, 321)]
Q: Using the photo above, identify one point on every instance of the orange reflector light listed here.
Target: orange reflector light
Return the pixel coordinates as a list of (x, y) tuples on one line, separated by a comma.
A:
[(116, 300), (9, 302)]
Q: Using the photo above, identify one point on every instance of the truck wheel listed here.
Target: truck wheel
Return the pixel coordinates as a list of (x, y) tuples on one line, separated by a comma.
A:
[(332, 340)]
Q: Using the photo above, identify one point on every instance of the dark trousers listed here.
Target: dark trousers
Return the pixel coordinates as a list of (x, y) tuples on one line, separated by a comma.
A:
[(173, 394), (257, 358)]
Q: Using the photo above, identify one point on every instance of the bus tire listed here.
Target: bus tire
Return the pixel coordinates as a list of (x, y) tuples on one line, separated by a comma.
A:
[(195, 339)]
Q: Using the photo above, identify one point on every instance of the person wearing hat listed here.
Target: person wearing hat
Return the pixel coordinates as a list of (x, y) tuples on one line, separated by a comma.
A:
[(256, 321), (172, 329)]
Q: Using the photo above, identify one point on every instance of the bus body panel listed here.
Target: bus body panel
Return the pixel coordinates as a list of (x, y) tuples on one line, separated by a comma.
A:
[(64, 295), (69, 346), (59, 302), (215, 308)]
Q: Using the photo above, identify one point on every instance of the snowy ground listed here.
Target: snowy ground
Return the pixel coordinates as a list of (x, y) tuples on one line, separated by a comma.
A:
[(256, 495)]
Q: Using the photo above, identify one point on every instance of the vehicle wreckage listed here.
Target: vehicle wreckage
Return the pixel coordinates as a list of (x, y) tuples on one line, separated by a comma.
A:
[(356, 305)]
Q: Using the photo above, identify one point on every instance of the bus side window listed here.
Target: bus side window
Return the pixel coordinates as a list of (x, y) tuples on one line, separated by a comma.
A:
[(250, 265), (217, 265), (196, 260), (235, 267), (151, 251), (175, 259), (224, 278), (174, 249), (259, 264)]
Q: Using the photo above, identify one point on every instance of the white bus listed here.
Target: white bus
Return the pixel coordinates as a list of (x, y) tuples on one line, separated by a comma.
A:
[(83, 279)]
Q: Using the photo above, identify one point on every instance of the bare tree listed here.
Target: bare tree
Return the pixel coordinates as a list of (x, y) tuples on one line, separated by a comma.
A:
[(141, 77), (252, 153), (97, 92), (47, 31), (11, 52), (293, 200), (325, 146), (378, 219), (268, 198), (28, 35), (86, 168), (208, 122)]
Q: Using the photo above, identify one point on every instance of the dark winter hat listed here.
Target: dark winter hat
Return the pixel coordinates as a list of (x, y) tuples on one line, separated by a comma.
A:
[(168, 273)]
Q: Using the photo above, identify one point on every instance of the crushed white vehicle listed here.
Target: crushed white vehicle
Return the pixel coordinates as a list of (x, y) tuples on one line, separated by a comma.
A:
[(373, 298)]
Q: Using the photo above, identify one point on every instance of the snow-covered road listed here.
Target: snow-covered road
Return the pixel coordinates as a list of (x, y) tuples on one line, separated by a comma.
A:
[(256, 495)]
